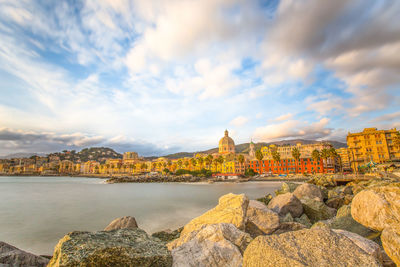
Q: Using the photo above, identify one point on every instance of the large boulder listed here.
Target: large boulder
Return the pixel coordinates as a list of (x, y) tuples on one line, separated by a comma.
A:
[(289, 227), (308, 247), (124, 247), (231, 208), (12, 256), (391, 243), (345, 221), (377, 207), (287, 187), (317, 210), (126, 222), (212, 245), (168, 235), (286, 203), (308, 191), (260, 219), (367, 245)]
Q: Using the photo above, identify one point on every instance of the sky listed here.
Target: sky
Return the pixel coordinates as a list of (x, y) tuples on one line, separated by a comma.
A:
[(160, 76)]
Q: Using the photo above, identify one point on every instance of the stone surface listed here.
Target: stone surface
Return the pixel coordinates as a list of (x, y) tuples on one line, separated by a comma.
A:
[(285, 203), (168, 235), (287, 218), (304, 220), (391, 243), (289, 227), (378, 207), (317, 210), (212, 245), (126, 222), (231, 208), (260, 219), (368, 246), (308, 247), (126, 247), (335, 202), (308, 191), (266, 199), (12, 256)]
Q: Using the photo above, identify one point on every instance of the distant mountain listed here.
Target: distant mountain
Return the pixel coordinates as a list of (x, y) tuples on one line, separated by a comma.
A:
[(244, 148), (22, 155)]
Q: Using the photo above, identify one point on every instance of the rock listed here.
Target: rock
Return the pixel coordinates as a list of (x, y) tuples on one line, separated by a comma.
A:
[(288, 218), (12, 256), (266, 199), (308, 191), (347, 199), (260, 219), (344, 221), (377, 208), (126, 247), (391, 243), (288, 202), (289, 227), (335, 202), (317, 210), (304, 220), (212, 245), (348, 190), (286, 187), (332, 194), (308, 247), (368, 246), (231, 208), (168, 235), (126, 222)]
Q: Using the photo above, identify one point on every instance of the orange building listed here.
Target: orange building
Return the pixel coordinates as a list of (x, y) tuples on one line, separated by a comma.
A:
[(288, 166)]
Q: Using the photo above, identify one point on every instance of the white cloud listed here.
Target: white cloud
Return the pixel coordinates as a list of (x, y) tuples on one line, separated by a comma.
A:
[(291, 129), (239, 121), (284, 117)]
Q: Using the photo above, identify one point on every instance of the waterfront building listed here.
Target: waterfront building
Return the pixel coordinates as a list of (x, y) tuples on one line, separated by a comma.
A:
[(344, 158), (289, 166), (226, 144), (372, 145), (285, 151)]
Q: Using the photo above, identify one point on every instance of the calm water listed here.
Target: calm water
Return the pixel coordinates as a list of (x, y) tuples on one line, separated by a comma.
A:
[(35, 212)]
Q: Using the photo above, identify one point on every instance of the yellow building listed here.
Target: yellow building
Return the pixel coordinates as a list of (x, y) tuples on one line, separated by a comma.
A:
[(285, 151), (226, 144), (372, 145), (344, 157)]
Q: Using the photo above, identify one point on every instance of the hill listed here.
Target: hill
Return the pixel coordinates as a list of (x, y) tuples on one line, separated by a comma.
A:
[(94, 153)]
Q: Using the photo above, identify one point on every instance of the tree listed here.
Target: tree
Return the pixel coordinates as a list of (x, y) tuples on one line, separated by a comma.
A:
[(169, 163), (333, 154), (276, 156), (259, 157), (200, 160), (186, 163), (193, 161), (209, 160), (240, 158), (153, 166), (143, 166), (215, 163), (296, 156), (325, 155), (179, 163)]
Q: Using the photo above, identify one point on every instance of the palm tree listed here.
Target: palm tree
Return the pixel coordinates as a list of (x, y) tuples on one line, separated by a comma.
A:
[(169, 163), (325, 155), (333, 155), (316, 156), (215, 163), (179, 163), (209, 160), (276, 156), (143, 166), (193, 161), (240, 158), (200, 160), (296, 156), (186, 163), (259, 157)]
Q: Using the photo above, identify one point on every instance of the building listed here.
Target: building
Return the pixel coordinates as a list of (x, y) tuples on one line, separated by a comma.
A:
[(372, 145), (130, 155), (285, 151), (226, 144), (288, 166), (344, 158)]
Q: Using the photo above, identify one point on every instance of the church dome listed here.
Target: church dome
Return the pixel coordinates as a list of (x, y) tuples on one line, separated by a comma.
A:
[(226, 144)]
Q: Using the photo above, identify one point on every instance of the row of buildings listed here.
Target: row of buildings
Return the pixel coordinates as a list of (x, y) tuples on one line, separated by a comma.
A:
[(370, 145)]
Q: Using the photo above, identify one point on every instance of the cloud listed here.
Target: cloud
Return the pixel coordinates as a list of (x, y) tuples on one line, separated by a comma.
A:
[(284, 117), (292, 129), (239, 121)]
